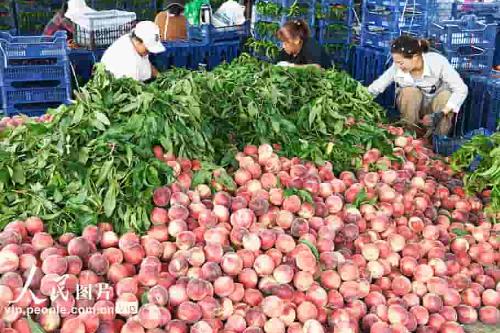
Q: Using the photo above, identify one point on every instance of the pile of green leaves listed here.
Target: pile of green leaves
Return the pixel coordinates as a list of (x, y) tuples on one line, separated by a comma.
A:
[(94, 162), (483, 153)]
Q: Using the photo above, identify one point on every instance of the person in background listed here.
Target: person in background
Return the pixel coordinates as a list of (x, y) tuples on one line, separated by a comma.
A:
[(426, 85), (63, 19), (128, 56), (299, 49), (172, 22)]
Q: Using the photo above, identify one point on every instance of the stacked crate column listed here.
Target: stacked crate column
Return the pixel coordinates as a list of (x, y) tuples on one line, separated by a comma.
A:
[(34, 73)]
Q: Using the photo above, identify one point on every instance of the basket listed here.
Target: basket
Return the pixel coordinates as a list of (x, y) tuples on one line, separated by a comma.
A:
[(101, 29), (207, 33), (466, 32)]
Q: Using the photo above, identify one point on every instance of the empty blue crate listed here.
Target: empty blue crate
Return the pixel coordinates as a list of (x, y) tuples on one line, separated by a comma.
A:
[(51, 49), (378, 37), (33, 101), (340, 11), (334, 33), (393, 20), (207, 33), (446, 146), (397, 5), (466, 32), (493, 117), (471, 60)]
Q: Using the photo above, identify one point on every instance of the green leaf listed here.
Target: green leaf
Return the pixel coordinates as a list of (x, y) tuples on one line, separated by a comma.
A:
[(313, 249), (34, 326), (83, 155), (78, 115), (102, 118), (201, 177), (18, 175), (144, 298), (110, 199), (460, 232)]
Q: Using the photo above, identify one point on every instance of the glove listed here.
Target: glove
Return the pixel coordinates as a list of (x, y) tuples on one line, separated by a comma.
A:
[(285, 64), (436, 119), (431, 121)]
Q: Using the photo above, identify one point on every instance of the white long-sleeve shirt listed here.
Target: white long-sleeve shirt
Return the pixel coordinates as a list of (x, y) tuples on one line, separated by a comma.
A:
[(122, 60), (438, 75)]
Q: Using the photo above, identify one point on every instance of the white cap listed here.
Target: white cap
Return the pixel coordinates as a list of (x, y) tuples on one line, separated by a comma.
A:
[(149, 33)]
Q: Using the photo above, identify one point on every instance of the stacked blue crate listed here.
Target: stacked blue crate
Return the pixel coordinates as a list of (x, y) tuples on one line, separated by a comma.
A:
[(335, 22), (34, 73), (468, 43), (272, 14), (367, 65), (208, 34), (385, 20)]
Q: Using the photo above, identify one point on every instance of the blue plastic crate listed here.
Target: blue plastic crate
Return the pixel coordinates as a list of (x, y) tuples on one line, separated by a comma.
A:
[(473, 60), (493, 115), (209, 57), (33, 101), (207, 33), (465, 32), (82, 61), (32, 73), (340, 55), (393, 20), (339, 11), (397, 5), (446, 146), (34, 48), (333, 33), (268, 18), (378, 39), (367, 65), (180, 54)]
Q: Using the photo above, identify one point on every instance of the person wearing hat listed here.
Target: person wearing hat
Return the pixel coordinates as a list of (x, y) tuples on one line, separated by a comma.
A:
[(172, 22), (128, 56), (65, 17), (428, 89)]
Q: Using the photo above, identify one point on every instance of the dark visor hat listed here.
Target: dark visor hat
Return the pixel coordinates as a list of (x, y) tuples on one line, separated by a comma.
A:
[(171, 3)]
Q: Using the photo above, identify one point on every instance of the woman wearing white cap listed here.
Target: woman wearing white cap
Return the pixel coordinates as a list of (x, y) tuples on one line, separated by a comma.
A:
[(128, 56)]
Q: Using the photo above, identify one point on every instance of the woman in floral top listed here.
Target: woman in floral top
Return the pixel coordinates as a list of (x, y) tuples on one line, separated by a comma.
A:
[(60, 22)]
